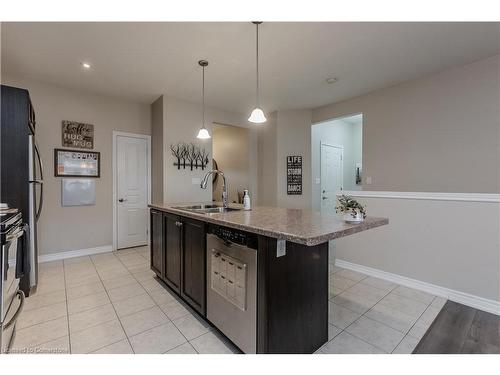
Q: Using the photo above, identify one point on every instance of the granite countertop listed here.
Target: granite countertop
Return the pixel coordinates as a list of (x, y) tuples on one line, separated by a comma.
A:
[(305, 227)]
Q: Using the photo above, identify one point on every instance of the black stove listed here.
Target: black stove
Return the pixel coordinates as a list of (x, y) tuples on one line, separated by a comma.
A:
[(10, 219), (13, 237)]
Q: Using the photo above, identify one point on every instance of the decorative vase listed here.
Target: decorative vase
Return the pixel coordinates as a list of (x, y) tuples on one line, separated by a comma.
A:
[(351, 218)]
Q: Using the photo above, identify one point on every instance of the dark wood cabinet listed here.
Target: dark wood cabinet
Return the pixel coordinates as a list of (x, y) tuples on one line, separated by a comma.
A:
[(292, 289), (178, 256), (156, 248), (172, 236), (292, 298), (193, 286)]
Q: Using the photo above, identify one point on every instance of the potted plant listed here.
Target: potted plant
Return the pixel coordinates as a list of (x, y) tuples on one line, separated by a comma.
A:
[(352, 210)]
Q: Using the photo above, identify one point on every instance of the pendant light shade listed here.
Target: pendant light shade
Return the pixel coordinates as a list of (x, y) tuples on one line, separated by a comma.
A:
[(257, 116), (203, 133)]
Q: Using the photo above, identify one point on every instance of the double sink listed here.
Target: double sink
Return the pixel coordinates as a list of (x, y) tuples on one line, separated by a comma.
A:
[(206, 208)]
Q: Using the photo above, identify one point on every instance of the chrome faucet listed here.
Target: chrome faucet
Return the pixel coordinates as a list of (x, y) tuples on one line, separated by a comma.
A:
[(204, 182)]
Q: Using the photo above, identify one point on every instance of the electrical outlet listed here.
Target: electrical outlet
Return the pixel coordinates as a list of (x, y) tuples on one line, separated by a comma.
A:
[(196, 180), (368, 180)]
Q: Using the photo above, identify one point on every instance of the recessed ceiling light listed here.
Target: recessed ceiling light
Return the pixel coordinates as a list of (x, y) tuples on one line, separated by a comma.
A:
[(85, 65), (331, 80)]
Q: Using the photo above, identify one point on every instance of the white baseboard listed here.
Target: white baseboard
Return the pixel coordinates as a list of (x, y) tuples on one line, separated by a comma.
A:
[(479, 303), (74, 253)]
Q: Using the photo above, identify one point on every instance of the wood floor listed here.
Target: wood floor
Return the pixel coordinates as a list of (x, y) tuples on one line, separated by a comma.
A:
[(461, 329)]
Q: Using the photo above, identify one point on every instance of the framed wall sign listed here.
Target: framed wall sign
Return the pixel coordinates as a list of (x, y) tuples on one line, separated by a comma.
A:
[(77, 134), (294, 175), (76, 163)]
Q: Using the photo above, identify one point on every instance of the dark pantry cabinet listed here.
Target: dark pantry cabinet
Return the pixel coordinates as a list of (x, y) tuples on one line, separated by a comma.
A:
[(178, 256)]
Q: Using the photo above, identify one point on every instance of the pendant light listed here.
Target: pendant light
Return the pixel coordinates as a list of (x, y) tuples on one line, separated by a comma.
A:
[(203, 133), (257, 116)]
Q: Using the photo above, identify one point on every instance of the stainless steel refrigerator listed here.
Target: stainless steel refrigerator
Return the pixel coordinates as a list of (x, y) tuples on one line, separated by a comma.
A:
[(21, 184)]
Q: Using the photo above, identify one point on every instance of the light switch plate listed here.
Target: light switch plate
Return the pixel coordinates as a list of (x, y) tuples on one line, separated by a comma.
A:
[(318, 181), (368, 180), (280, 248)]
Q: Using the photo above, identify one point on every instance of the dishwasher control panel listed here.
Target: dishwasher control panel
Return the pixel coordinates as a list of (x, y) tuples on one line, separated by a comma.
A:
[(235, 236), (228, 278)]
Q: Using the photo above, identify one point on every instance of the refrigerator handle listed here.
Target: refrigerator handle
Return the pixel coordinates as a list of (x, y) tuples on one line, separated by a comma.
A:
[(39, 181)]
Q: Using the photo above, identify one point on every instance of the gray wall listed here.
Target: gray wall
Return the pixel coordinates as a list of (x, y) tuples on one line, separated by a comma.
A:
[(439, 133), (267, 168), (157, 150), (338, 133), (230, 145), (74, 228), (446, 243), (293, 138), (181, 122)]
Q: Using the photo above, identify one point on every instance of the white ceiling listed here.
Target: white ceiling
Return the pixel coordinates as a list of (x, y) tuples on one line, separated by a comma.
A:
[(140, 61)]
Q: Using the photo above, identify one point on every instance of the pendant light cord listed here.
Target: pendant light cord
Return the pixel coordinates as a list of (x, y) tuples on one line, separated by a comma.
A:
[(257, 67), (203, 96)]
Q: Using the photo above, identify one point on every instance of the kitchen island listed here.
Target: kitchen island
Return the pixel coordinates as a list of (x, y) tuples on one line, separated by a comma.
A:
[(273, 295)]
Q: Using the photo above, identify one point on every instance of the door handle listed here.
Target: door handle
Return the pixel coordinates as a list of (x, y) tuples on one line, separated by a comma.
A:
[(121, 200), (324, 198), (178, 223)]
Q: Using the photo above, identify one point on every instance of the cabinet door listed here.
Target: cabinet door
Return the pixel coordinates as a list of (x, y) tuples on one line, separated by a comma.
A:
[(172, 238), (156, 249), (194, 264)]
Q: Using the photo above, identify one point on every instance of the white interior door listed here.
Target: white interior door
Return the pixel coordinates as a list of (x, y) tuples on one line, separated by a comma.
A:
[(331, 175), (131, 191)]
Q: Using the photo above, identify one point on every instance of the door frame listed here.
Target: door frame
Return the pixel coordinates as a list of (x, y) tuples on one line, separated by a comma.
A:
[(341, 147), (116, 134)]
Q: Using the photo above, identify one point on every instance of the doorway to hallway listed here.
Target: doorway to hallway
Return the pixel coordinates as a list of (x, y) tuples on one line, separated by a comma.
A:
[(336, 159)]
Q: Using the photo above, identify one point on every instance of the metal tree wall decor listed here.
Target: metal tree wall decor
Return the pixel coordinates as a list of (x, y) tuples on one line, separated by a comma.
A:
[(189, 155)]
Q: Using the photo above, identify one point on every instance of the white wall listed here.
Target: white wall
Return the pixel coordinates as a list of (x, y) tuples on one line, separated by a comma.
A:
[(181, 122), (339, 133), (452, 244), (72, 228)]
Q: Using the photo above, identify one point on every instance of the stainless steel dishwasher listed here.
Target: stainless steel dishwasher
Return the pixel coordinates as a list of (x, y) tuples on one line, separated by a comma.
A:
[(232, 285)]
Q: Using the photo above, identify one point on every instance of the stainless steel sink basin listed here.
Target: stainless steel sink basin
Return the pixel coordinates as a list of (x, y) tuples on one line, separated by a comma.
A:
[(197, 207), (207, 208)]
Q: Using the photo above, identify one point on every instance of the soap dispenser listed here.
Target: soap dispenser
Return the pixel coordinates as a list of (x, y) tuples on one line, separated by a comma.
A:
[(246, 201)]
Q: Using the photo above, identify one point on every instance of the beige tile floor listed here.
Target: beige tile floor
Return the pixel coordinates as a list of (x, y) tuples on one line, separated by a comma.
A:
[(370, 315), (112, 303)]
